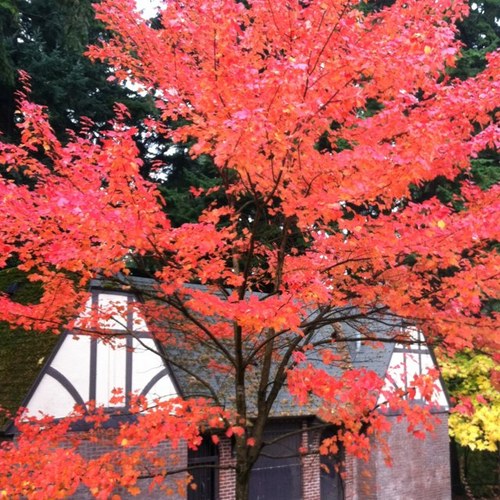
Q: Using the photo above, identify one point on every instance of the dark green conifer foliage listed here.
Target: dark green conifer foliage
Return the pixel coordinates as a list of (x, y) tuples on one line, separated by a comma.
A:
[(47, 39), (480, 34), (9, 25)]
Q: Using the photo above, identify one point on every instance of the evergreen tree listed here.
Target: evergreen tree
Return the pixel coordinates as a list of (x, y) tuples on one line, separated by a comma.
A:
[(47, 39), (9, 26), (480, 34)]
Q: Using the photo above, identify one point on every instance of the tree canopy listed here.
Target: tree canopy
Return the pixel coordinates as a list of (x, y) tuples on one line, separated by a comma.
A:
[(320, 118)]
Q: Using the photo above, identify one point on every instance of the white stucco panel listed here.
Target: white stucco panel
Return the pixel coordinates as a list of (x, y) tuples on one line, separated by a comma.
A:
[(109, 310), (71, 377), (439, 396), (146, 365), (113, 307), (83, 320), (50, 398), (403, 368), (73, 361), (110, 370), (138, 322)]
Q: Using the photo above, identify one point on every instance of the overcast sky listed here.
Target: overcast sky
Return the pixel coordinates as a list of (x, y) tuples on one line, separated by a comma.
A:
[(148, 7)]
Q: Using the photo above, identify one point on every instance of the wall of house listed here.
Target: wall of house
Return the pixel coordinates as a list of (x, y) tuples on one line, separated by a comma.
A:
[(421, 468), (174, 485)]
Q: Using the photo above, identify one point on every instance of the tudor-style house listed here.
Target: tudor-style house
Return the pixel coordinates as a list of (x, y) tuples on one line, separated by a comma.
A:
[(83, 367)]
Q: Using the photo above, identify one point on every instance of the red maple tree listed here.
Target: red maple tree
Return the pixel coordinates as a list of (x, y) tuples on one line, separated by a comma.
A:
[(320, 116)]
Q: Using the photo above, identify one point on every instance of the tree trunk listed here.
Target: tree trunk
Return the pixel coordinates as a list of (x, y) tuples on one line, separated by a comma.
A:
[(242, 482), (245, 460)]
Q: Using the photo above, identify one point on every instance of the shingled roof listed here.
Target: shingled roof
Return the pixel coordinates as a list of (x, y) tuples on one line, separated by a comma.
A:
[(191, 364)]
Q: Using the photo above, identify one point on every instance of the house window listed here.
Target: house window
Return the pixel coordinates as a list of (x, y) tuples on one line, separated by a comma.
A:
[(202, 463), (277, 473), (331, 484)]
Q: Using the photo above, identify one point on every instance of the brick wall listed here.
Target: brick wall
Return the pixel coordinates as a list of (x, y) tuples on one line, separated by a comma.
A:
[(310, 466), (350, 478), (421, 468), (174, 485), (227, 477)]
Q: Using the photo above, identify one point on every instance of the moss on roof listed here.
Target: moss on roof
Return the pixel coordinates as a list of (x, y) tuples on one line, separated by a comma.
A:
[(22, 353)]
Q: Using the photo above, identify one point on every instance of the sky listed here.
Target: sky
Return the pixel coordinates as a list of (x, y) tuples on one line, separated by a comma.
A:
[(148, 7)]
